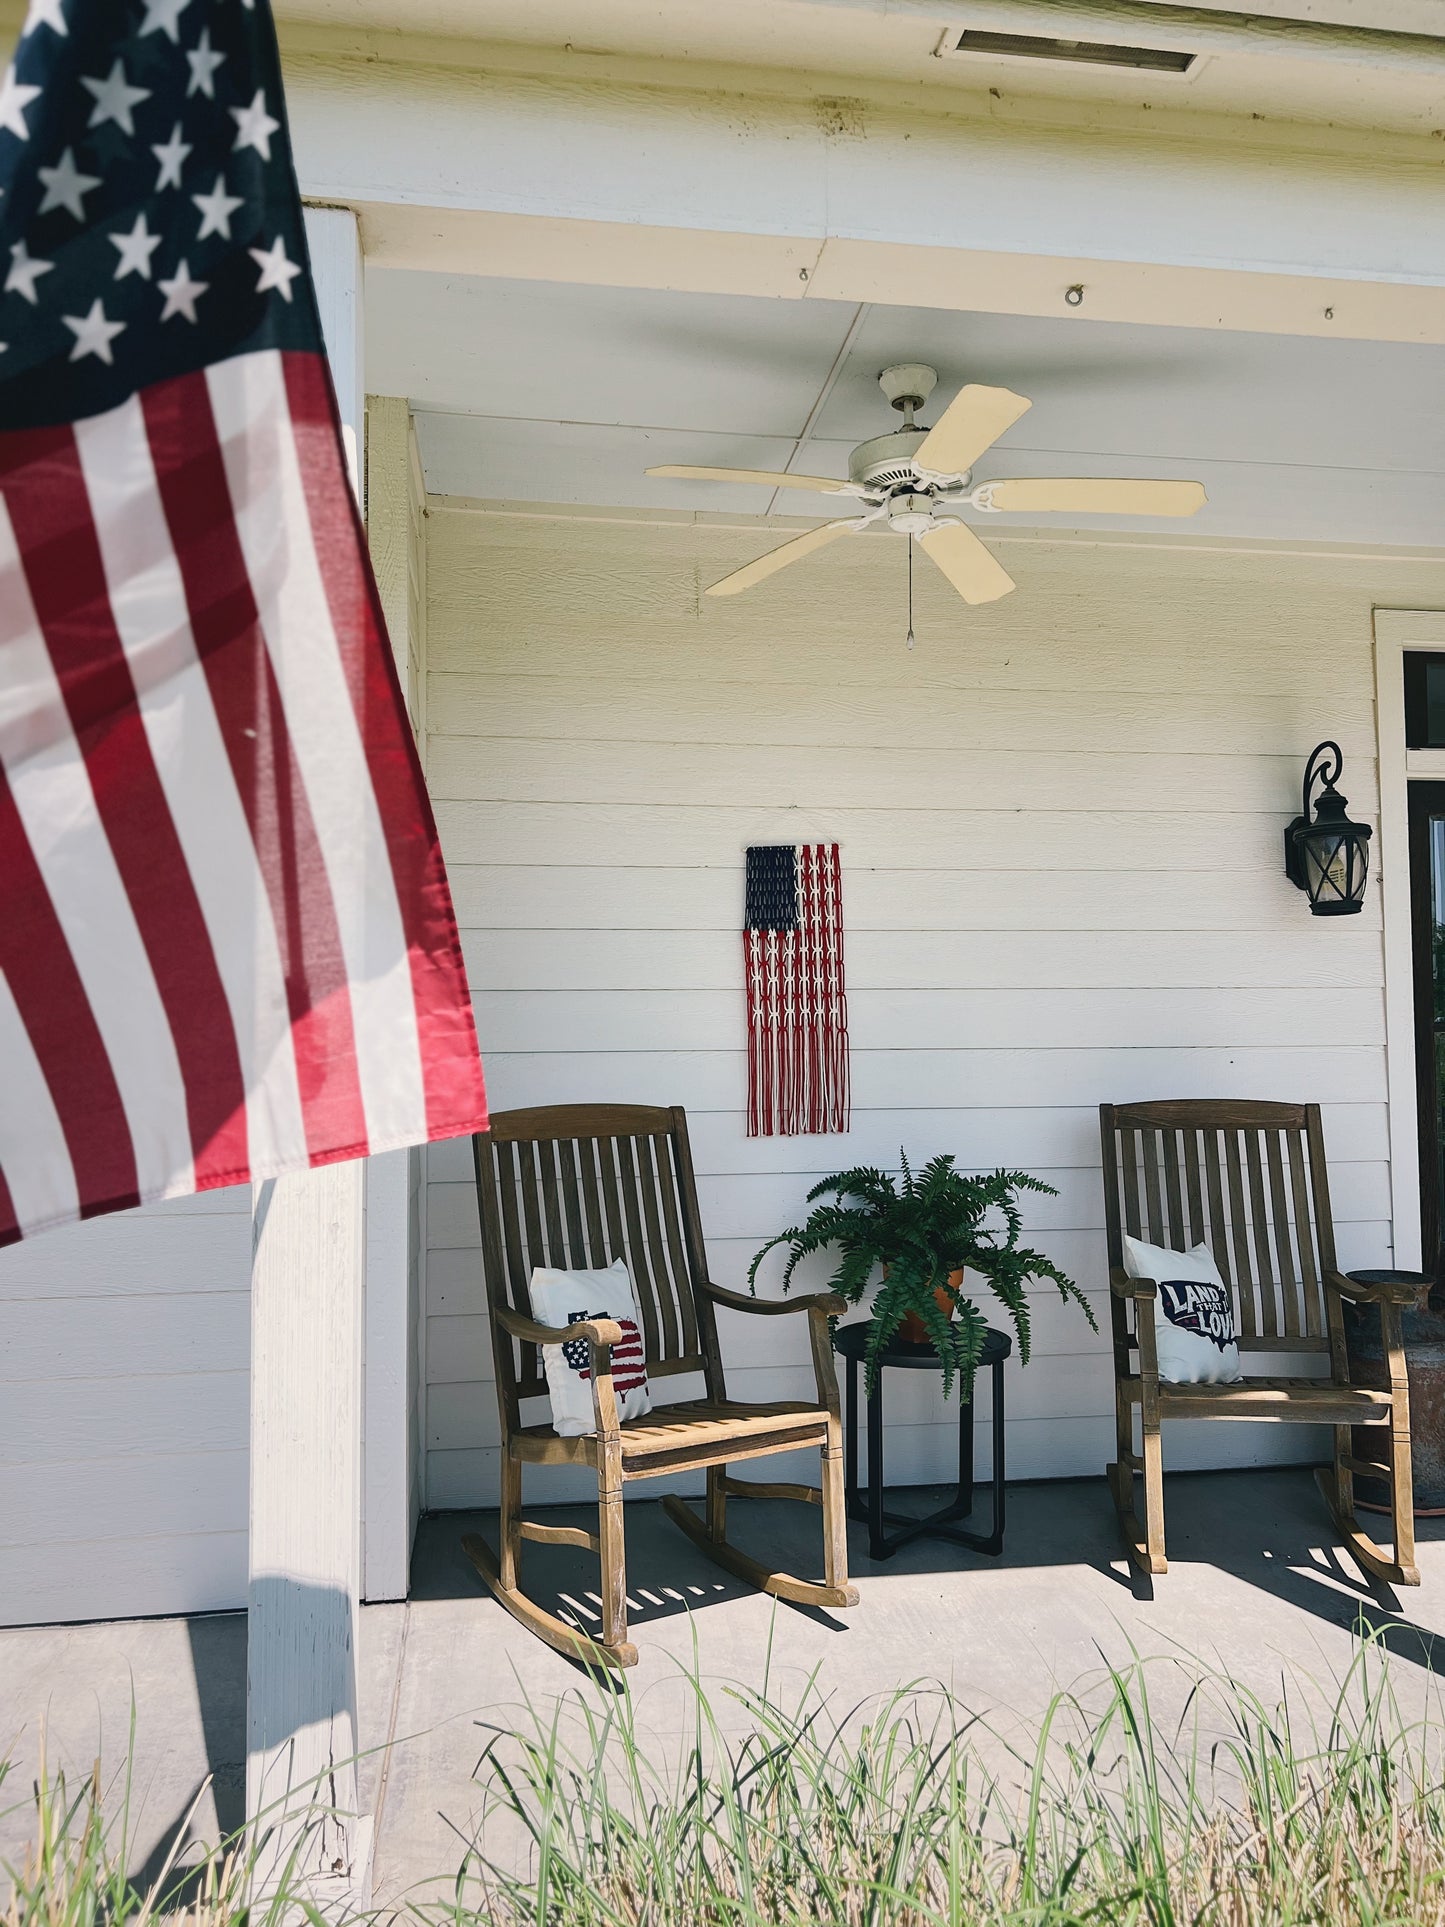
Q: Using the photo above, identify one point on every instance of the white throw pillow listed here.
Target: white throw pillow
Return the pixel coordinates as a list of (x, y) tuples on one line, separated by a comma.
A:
[(1194, 1331), (564, 1298)]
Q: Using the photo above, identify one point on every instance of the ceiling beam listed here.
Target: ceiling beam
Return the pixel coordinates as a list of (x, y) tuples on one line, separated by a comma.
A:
[(460, 171)]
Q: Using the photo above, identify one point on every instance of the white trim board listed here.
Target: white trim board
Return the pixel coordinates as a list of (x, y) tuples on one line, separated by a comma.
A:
[(1396, 632)]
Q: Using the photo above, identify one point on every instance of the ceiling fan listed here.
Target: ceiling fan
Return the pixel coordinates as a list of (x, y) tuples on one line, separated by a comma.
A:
[(916, 479)]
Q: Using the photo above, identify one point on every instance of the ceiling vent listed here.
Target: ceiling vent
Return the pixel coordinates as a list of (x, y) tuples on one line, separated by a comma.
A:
[(1086, 53)]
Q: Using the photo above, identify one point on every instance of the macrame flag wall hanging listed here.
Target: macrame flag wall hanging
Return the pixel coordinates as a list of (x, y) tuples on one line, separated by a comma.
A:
[(797, 1011)]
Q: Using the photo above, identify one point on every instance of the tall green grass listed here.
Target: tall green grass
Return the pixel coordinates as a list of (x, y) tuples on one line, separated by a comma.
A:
[(1317, 1809)]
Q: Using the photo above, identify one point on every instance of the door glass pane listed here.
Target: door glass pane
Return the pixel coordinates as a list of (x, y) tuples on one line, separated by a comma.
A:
[(1424, 700)]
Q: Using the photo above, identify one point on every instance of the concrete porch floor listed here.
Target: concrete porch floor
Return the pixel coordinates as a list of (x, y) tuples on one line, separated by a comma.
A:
[(1255, 1584)]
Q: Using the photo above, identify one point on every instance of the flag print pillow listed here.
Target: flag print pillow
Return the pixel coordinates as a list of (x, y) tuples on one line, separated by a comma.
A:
[(564, 1297), (1194, 1330)]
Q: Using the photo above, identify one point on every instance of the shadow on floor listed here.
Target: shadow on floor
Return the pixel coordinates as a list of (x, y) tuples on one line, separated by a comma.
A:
[(218, 1660), (1265, 1527)]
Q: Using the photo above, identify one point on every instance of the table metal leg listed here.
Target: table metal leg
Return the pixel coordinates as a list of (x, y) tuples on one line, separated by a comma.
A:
[(869, 1506), (850, 1441), (878, 1545)]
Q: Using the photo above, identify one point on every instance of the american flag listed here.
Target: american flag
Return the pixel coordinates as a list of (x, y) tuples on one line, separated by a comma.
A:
[(629, 1361), (797, 1008), (227, 947)]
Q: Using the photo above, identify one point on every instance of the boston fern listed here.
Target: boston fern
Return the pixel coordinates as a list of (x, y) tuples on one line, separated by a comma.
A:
[(919, 1230)]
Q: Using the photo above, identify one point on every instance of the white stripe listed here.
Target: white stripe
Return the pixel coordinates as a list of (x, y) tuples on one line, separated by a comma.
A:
[(33, 1153), (51, 786), (253, 418), (148, 601)]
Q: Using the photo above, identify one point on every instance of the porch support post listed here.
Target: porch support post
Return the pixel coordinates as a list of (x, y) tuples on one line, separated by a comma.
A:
[(307, 1310), (302, 1601)]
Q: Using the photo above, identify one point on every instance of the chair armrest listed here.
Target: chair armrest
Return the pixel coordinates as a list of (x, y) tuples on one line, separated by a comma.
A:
[(828, 1302), (1388, 1293), (1123, 1286), (596, 1331)]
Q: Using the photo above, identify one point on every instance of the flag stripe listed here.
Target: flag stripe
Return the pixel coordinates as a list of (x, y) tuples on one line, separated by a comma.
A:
[(195, 496), (249, 400), (55, 803), (9, 1223), (52, 519), (446, 1032), (148, 601), (45, 1177), (46, 988)]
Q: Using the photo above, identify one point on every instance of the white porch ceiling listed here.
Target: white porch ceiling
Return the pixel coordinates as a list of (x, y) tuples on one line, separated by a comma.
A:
[(1344, 67), (529, 391)]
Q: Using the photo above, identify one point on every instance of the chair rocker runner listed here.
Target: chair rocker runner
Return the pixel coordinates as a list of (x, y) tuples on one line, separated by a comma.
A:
[(1249, 1180), (576, 1187)]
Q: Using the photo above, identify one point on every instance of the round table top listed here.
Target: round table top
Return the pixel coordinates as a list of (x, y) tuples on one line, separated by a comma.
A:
[(852, 1341), (1421, 1278)]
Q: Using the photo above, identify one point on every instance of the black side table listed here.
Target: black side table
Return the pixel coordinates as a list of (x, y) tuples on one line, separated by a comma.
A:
[(850, 1342)]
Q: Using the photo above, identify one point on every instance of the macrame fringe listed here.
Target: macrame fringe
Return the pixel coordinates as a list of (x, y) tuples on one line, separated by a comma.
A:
[(798, 1073)]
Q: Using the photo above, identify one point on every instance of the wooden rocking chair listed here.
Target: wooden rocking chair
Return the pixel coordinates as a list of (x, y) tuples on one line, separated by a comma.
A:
[(1250, 1181), (576, 1187)]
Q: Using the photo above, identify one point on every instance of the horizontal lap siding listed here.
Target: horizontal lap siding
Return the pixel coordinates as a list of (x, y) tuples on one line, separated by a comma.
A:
[(124, 1413), (1060, 819)]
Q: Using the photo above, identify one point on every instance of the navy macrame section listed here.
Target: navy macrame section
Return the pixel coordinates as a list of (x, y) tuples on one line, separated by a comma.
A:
[(772, 887)]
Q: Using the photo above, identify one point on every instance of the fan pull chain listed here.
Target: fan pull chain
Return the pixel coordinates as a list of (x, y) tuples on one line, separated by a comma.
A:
[(910, 591)]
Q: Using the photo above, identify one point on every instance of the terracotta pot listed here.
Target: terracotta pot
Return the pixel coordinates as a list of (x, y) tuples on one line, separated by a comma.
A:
[(912, 1330)]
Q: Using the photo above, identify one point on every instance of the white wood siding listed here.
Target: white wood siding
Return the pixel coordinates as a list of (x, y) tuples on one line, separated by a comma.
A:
[(124, 1380), (1060, 819)]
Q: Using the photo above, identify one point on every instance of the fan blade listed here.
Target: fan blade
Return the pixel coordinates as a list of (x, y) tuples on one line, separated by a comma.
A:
[(1095, 496), (968, 565), (681, 472), (972, 422), (776, 559)]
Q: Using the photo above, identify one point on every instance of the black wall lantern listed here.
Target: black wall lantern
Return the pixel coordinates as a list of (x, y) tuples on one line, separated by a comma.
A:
[(1329, 859)]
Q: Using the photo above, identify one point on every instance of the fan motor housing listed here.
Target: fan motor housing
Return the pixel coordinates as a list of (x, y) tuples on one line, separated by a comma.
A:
[(887, 461)]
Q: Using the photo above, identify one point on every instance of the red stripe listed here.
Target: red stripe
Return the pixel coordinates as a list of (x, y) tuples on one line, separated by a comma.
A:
[(451, 1068), (45, 490), (9, 1226), (50, 996), (194, 493)]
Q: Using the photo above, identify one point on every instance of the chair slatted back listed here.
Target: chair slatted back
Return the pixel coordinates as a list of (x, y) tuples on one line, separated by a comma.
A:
[(575, 1187), (1248, 1180)]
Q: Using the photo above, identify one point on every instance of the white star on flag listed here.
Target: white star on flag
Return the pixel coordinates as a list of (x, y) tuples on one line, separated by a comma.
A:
[(203, 64), (45, 13), (276, 270), (66, 186), (172, 156), (93, 333), (114, 99), (161, 17), (181, 293), (136, 249), (254, 126), (14, 99), (216, 208), (24, 271)]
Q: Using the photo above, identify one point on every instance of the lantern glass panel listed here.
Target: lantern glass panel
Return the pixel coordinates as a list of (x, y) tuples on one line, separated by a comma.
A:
[(1334, 868)]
